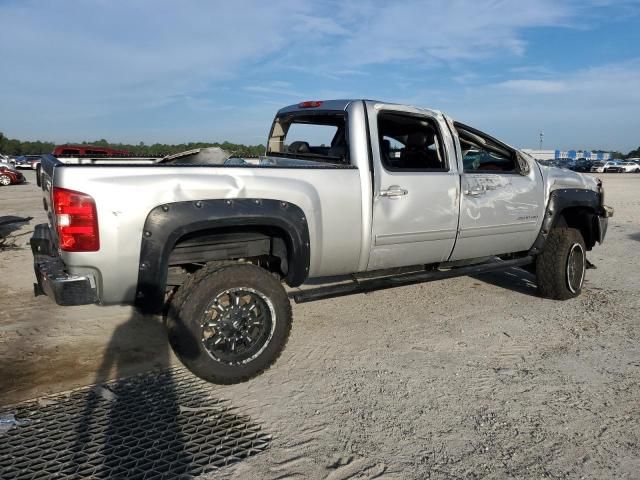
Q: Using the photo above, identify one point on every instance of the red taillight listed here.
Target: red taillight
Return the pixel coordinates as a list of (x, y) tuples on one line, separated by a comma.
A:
[(310, 104), (76, 221)]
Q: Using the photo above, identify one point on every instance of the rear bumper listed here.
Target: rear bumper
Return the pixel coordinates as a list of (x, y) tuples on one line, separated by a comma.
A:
[(52, 278)]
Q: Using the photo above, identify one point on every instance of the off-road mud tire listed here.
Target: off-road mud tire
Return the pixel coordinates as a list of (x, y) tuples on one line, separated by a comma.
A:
[(187, 309), (552, 265)]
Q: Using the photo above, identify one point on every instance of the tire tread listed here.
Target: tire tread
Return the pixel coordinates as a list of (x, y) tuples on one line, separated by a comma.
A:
[(189, 288), (550, 264)]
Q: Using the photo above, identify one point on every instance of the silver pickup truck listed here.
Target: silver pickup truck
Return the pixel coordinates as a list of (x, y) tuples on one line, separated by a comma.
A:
[(370, 194)]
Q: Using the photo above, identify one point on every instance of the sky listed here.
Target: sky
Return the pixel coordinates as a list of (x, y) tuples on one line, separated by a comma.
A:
[(195, 70)]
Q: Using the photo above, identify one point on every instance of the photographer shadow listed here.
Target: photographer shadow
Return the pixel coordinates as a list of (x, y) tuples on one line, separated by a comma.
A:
[(123, 431), (164, 424)]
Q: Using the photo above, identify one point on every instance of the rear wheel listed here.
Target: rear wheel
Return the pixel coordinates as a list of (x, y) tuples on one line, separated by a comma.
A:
[(228, 324), (5, 180), (561, 267)]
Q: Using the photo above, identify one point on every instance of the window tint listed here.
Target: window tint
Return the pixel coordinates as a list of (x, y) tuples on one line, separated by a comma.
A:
[(487, 161), (409, 142), (483, 154)]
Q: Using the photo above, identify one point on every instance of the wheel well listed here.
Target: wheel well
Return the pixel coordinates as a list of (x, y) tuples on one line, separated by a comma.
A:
[(583, 219), (265, 246)]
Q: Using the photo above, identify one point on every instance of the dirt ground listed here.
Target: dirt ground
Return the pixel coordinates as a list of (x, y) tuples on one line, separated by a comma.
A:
[(465, 378)]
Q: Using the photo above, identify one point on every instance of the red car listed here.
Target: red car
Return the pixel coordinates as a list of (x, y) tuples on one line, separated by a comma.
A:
[(9, 175), (87, 150)]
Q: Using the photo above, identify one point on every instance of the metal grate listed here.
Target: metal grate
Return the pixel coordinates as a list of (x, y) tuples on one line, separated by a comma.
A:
[(153, 426)]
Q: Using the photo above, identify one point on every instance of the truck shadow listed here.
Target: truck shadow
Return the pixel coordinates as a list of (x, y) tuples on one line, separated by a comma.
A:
[(162, 424), (635, 236), (514, 279)]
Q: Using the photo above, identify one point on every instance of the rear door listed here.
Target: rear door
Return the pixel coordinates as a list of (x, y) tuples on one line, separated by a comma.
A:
[(501, 206), (416, 188)]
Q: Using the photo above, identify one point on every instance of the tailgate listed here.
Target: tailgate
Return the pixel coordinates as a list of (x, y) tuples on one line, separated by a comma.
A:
[(44, 179)]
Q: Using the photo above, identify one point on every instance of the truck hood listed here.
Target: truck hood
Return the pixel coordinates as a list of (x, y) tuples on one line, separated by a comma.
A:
[(560, 178)]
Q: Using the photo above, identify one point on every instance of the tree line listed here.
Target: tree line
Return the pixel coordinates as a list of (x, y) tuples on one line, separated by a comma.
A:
[(632, 154), (12, 146)]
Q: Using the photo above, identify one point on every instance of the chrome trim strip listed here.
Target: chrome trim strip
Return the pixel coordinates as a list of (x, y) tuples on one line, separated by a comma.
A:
[(413, 237), (498, 229)]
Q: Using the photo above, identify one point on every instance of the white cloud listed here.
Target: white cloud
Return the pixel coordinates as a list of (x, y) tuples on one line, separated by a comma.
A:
[(159, 68), (593, 108), (90, 56), (270, 90), (444, 31), (534, 86)]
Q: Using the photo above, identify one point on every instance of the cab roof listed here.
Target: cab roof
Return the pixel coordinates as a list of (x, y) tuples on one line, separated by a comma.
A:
[(342, 104)]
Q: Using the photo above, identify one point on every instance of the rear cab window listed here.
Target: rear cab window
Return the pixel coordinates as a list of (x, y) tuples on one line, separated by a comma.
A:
[(316, 137)]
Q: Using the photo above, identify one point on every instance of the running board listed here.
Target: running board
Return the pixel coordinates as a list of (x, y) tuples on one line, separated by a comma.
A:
[(343, 289)]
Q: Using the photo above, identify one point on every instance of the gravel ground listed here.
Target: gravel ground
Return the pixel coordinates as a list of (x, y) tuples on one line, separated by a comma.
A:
[(465, 378)]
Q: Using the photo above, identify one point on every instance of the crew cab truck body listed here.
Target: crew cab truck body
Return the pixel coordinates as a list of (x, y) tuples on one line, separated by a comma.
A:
[(381, 194)]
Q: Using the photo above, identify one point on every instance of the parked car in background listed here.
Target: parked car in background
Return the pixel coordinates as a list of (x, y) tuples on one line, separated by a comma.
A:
[(552, 163), (27, 161), (625, 167), (581, 165), (601, 167), (87, 150), (9, 175)]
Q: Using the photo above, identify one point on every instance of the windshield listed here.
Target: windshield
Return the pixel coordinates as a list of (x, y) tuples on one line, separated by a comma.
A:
[(319, 137)]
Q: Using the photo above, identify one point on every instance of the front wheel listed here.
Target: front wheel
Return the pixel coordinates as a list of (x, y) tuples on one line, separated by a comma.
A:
[(228, 324), (561, 267)]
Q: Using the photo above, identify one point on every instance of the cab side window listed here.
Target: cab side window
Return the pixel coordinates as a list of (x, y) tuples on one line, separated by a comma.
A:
[(483, 154), (475, 160), (410, 143)]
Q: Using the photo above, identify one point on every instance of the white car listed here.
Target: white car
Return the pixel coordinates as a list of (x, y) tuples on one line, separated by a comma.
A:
[(601, 167), (625, 167)]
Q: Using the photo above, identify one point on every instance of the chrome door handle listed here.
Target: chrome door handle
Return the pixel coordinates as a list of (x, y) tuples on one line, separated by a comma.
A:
[(394, 191), (474, 192)]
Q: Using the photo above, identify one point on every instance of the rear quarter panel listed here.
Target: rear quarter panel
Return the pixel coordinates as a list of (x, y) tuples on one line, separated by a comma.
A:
[(124, 195)]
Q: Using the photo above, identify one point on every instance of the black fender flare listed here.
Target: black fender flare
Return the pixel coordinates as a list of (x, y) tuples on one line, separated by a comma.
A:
[(559, 201), (167, 223)]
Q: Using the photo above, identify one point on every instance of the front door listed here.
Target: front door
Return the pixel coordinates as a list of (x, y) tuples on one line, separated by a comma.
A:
[(416, 190), (501, 206)]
